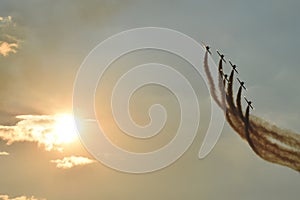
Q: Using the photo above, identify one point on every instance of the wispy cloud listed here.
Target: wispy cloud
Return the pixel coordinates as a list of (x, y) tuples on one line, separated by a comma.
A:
[(8, 42), (48, 131), (6, 20), (6, 48), (6, 197), (3, 153), (72, 161)]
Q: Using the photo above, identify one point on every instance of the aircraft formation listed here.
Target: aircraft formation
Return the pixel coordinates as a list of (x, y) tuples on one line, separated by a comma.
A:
[(268, 141), (225, 76)]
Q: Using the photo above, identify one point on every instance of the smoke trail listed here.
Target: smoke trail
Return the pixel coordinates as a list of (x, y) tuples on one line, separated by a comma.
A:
[(229, 95), (238, 102), (286, 137), (266, 140), (210, 79), (222, 85), (269, 150), (237, 123), (247, 128)]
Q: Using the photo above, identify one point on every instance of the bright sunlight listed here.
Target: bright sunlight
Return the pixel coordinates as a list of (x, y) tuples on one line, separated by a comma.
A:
[(64, 129)]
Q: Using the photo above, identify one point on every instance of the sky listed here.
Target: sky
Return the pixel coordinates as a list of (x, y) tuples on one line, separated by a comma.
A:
[(42, 45)]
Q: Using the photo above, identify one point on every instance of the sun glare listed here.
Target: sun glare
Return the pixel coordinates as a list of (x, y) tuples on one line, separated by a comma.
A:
[(65, 129)]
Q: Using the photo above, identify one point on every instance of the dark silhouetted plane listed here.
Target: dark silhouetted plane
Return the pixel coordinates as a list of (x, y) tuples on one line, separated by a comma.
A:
[(221, 56), (233, 66), (206, 47), (249, 103), (225, 76), (242, 83)]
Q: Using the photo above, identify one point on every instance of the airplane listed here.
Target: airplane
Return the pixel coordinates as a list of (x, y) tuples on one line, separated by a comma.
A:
[(233, 66), (221, 56), (249, 103), (241, 83), (207, 48), (225, 76)]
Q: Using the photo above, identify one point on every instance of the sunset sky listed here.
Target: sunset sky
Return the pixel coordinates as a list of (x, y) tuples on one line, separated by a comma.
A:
[(42, 45)]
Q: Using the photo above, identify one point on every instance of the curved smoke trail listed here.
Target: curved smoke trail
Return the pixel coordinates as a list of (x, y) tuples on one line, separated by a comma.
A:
[(268, 141)]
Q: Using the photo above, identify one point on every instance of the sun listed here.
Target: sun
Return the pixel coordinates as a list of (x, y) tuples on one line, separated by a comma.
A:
[(64, 129)]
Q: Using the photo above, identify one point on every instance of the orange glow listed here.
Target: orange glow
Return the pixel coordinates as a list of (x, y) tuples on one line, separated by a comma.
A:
[(64, 129)]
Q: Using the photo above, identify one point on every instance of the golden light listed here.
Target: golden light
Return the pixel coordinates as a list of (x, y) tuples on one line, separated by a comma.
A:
[(64, 130), (51, 131)]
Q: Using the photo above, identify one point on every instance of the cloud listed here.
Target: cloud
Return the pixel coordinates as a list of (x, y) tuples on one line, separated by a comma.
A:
[(8, 42), (48, 131), (3, 153), (4, 21), (6, 48), (72, 161), (6, 197)]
